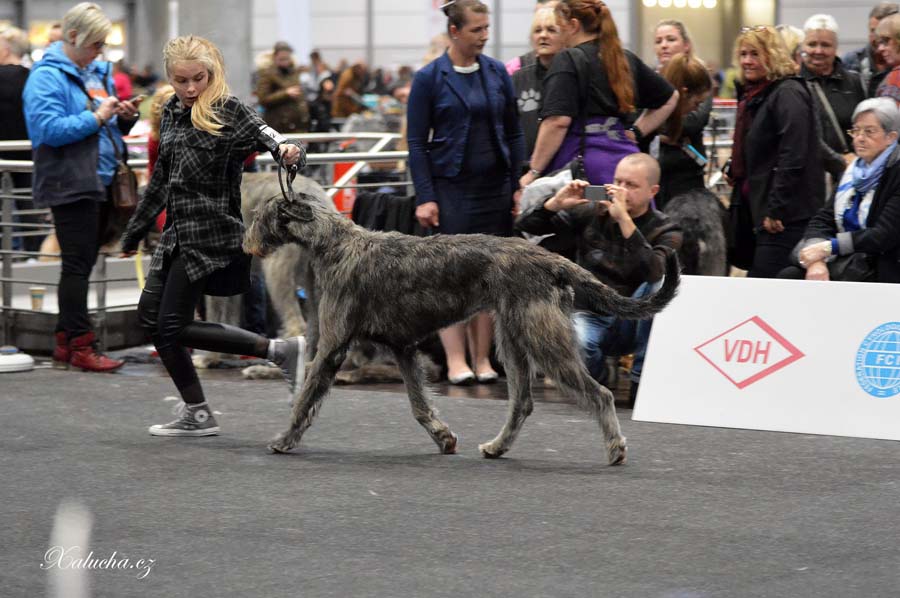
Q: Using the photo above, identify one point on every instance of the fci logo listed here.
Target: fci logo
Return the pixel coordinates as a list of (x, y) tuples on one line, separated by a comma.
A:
[(748, 352)]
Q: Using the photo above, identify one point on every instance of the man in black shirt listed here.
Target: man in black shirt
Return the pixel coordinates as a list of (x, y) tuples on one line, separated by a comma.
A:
[(622, 241)]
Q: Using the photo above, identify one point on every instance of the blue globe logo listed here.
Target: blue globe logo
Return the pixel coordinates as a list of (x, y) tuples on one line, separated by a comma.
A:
[(878, 361)]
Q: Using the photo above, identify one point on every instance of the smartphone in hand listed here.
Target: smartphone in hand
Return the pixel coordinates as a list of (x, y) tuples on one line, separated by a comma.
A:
[(595, 193)]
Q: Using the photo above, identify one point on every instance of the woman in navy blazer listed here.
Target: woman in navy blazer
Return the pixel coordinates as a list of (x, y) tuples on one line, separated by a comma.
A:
[(465, 152)]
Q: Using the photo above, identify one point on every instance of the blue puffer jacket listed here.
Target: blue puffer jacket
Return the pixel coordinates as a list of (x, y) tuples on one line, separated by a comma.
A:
[(73, 157)]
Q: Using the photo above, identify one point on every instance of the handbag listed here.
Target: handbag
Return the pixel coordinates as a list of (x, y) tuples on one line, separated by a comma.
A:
[(855, 267), (124, 187)]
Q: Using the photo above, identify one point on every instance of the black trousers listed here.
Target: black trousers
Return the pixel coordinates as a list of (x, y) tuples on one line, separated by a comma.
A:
[(166, 312), (77, 229), (773, 251)]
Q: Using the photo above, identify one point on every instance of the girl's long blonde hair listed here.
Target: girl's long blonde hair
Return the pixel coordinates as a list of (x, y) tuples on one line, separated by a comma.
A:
[(190, 48)]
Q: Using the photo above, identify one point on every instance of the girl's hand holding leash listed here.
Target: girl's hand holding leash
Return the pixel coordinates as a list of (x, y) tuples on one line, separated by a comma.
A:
[(290, 154)]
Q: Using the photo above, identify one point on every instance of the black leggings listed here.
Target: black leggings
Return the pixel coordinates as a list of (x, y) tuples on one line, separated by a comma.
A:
[(166, 312)]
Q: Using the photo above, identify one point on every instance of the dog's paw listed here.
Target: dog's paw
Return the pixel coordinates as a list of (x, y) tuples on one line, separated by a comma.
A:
[(262, 372), (489, 451), (205, 361), (280, 446), (617, 452), (448, 446)]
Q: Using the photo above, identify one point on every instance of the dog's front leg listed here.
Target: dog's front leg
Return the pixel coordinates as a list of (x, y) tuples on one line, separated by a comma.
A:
[(318, 381), (414, 378)]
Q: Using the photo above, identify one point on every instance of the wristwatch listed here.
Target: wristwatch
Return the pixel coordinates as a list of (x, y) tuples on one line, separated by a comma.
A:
[(638, 136), (534, 171)]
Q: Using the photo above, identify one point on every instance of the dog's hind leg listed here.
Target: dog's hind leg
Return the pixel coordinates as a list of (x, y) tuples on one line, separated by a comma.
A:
[(414, 378), (576, 382), (555, 351), (520, 405), (318, 381)]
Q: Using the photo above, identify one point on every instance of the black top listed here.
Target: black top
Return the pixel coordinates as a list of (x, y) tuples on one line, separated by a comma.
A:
[(843, 90), (679, 171), (562, 93), (624, 264), (783, 155), (528, 82), (12, 115)]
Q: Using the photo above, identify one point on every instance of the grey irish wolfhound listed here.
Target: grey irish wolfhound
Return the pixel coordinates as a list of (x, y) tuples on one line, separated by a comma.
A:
[(395, 290)]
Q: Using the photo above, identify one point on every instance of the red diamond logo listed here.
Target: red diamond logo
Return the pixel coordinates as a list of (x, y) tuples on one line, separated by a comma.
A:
[(748, 352)]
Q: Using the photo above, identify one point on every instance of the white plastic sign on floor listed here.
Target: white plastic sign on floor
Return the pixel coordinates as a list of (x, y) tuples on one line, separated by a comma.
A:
[(782, 355)]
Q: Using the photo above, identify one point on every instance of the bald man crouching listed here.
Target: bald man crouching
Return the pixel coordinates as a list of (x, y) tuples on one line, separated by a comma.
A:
[(620, 240)]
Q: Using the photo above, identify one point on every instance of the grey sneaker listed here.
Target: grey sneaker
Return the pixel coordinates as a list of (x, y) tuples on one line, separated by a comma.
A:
[(292, 361), (193, 420)]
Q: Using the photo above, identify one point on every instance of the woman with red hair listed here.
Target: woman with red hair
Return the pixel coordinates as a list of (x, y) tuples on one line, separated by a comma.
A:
[(592, 94)]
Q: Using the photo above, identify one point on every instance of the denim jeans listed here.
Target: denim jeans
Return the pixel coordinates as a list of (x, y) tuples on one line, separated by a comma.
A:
[(602, 336)]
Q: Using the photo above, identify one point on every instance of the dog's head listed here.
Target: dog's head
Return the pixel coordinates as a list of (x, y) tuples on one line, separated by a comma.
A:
[(278, 221)]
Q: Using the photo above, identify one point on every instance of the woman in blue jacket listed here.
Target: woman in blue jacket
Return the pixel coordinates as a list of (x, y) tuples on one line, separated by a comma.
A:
[(73, 120), (465, 152)]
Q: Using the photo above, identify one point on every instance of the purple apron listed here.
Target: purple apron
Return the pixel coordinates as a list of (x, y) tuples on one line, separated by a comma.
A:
[(605, 144)]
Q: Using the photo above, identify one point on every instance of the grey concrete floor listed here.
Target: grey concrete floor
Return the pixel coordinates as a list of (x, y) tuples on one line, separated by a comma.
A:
[(366, 506)]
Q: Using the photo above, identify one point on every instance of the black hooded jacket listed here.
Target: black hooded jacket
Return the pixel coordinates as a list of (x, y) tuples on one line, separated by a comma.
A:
[(782, 154)]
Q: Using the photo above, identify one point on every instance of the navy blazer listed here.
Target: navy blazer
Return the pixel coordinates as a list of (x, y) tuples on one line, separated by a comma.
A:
[(438, 121)]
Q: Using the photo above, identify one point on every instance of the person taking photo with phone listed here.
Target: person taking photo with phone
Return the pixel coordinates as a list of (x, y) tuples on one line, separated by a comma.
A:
[(623, 241)]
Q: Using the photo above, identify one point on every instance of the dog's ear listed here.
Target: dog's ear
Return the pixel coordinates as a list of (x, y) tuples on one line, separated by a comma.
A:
[(293, 211), (304, 197)]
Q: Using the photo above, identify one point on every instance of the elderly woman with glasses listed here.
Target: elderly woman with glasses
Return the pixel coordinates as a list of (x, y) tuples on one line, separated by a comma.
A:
[(76, 123), (776, 164), (862, 220)]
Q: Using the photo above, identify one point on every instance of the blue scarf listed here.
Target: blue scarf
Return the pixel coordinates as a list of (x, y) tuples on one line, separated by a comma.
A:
[(866, 176)]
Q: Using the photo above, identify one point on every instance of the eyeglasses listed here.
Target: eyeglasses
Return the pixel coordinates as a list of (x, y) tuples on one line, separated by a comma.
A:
[(754, 28), (868, 132)]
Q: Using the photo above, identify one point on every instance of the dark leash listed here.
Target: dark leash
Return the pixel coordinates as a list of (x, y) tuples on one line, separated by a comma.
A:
[(291, 174)]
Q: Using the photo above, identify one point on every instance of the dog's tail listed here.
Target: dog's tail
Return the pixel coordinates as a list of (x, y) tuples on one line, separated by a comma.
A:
[(602, 299)]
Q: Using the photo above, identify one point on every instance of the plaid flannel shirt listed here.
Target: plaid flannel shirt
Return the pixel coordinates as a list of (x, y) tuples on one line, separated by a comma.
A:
[(197, 179)]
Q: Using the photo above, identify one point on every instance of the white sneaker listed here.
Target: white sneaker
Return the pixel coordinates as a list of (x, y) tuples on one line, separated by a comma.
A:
[(293, 364)]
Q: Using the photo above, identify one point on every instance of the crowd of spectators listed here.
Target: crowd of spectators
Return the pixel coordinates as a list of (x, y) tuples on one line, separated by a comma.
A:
[(811, 168)]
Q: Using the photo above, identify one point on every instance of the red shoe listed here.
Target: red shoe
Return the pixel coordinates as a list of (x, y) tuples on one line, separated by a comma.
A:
[(62, 354), (85, 356)]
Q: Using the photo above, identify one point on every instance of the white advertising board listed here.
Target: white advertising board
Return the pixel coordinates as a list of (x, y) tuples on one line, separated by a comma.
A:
[(781, 355)]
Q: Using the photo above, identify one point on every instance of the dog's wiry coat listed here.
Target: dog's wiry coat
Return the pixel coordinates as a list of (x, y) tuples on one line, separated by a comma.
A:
[(396, 289)]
